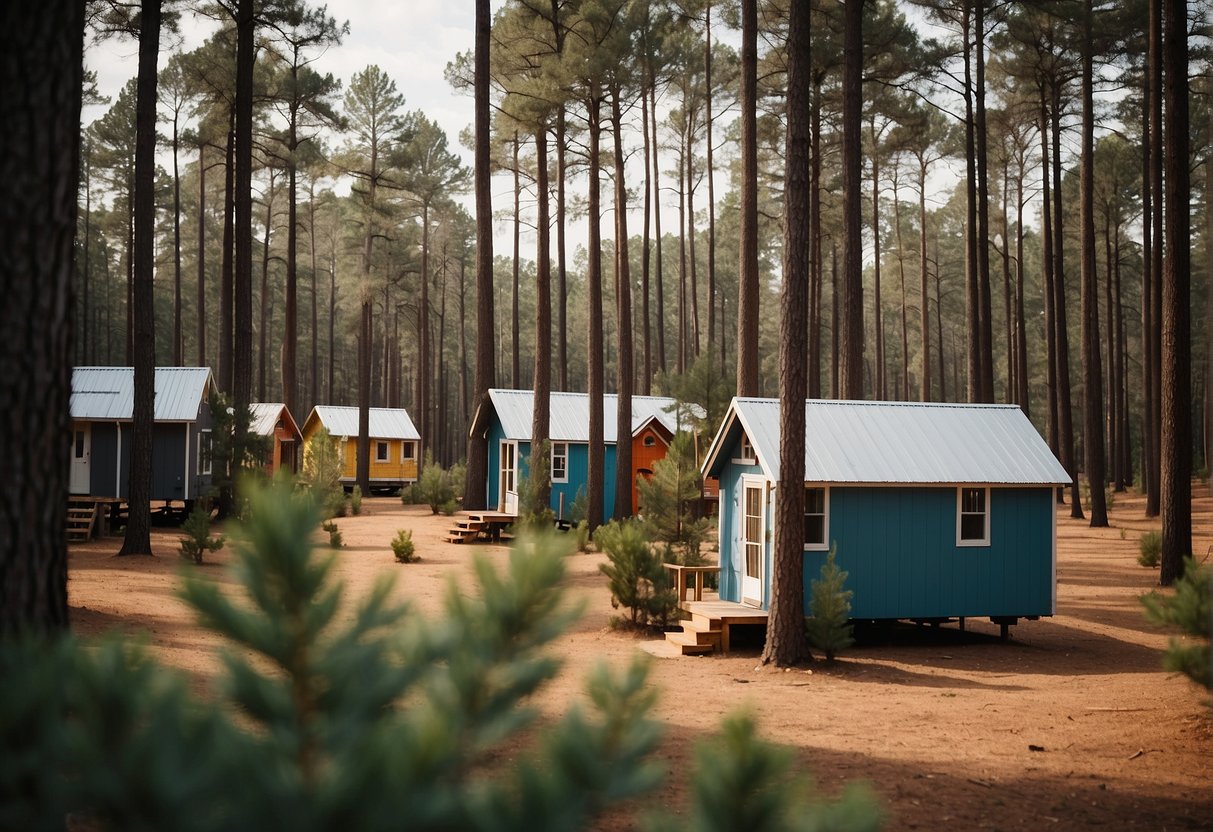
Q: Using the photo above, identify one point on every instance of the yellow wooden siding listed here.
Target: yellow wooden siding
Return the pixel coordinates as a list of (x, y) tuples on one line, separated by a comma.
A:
[(394, 470)]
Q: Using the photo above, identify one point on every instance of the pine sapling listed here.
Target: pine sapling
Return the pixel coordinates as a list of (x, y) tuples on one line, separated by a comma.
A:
[(829, 628), (402, 545), (1190, 610), (198, 539)]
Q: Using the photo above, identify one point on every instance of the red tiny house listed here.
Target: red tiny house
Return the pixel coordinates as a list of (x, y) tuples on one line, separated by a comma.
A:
[(274, 421)]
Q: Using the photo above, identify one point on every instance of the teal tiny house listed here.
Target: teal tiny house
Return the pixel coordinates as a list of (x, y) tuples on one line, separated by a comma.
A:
[(504, 418), (937, 511)]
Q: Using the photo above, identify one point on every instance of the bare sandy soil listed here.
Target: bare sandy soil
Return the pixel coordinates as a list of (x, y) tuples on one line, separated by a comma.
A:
[(1070, 725)]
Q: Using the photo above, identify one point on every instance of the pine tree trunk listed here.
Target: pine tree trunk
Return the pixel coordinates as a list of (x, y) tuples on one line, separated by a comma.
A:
[(290, 314), (424, 381), (178, 338), (1061, 319), (880, 390), (226, 266), (710, 171), (816, 258), (973, 329), (477, 447), (785, 644), (923, 300), (1052, 431), (1093, 427), (39, 162), (984, 291), (540, 461), (1021, 331), (515, 318), (1175, 457), (139, 486), (747, 270), (623, 306), (1153, 329), (646, 378), (242, 305), (850, 339), (659, 287), (201, 310), (596, 477)]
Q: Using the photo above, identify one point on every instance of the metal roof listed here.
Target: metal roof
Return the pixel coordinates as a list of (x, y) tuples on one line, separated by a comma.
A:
[(107, 394), (265, 418), (901, 442), (385, 422), (570, 414)]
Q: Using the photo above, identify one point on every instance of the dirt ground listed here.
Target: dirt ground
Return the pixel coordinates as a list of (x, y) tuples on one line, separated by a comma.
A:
[(1070, 725)]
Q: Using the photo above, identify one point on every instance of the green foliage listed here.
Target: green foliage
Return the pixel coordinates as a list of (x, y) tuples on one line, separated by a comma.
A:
[(703, 394), (356, 501), (1189, 610), (334, 533), (197, 528), (579, 508), (402, 545), (828, 628), (744, 783), (638, 579), (1151, 549), (322, 474), (375, 720), (535, 489), (435, 487), (668, 499), (233, 463), (581, 536)]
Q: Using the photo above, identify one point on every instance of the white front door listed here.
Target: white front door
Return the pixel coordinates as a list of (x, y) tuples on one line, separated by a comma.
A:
[(753, 540), (507, 500), (82, 446)]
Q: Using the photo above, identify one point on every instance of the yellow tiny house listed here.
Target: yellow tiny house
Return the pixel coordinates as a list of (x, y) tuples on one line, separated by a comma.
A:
[(393, 437)]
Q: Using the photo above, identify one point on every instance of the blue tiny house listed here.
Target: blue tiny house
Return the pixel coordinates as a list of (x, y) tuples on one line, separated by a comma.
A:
[(102, 403), (937, 511), (504, 417)]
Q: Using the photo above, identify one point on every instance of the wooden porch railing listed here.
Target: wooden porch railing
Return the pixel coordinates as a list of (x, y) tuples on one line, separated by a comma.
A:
[(683, 577)]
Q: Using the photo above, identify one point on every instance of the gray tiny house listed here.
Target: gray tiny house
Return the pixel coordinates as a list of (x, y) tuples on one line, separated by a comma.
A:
[(937, 511), (102, 402)]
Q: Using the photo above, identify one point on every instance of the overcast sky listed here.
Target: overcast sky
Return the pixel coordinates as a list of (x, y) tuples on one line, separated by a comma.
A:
[(411, 41)]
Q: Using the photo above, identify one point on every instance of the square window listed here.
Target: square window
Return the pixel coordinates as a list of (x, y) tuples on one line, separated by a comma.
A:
[(560, 462), (816, 529), (408, 451), (973, 517)]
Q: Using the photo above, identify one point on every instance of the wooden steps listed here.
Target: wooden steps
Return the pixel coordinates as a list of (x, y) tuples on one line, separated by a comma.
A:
[(707, 629), (471, 528), (81, 520)]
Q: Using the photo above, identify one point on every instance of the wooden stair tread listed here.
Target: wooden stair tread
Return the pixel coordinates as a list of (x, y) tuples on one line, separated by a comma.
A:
[(688, 643)]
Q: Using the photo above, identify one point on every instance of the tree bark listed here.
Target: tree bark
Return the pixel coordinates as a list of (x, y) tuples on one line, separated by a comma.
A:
[(1175, 457), (785, 643), (747, 270), (596, 476), (201, 310), (850, 340), (1093, 428), (138, 539), (242, 353), (623, 306), (540, 461), (39, 164), (1060, 318)]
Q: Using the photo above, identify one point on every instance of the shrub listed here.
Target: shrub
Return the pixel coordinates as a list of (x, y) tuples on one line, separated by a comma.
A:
[(579, 508), (669, 500), (828, 629), (334, 533), (1188, 609), (402, 545), (322, 474), (356, 501), (197, 528), (434, 487), (321, 705), (638, 579), (1151, 549), (581, 536)]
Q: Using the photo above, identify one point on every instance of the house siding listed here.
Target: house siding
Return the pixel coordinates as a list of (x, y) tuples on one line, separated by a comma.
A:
[(730, 531), (898, 546), (578, 472)]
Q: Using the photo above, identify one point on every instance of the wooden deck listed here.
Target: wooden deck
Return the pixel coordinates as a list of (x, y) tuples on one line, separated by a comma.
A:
[(707, 629), (471, 527)]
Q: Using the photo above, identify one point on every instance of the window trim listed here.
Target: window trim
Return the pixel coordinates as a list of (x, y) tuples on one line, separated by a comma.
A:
[(208, 457), (386, 447), (969, 543), (552, 462), (408, 450), (742, 446), (824, 545)]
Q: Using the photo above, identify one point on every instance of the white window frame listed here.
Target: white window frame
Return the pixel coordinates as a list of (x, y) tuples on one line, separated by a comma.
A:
[(208, 457), (745, 451), (960, 512), (408, 450), (386, 447), (824, 545), (564, 454)]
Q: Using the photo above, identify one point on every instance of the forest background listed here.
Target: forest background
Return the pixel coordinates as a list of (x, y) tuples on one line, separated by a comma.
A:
[(942, 318)]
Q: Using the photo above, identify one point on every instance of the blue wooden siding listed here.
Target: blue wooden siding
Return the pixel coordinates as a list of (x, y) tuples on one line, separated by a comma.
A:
[(899, 547), (730, 531), (578, 470)]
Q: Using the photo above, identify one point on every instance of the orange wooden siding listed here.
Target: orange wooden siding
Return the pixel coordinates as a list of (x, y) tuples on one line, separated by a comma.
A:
[(648, 446)]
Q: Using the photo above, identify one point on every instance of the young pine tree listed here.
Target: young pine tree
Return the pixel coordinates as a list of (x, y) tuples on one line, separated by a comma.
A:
[(1188, 609), (828, 628)]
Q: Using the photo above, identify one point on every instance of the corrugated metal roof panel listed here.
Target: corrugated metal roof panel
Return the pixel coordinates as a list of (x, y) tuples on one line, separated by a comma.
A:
[(906, 442), (385, 422), (570, 414), (107, 394), (264, 418)]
